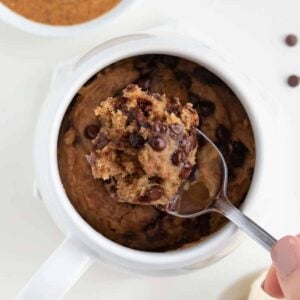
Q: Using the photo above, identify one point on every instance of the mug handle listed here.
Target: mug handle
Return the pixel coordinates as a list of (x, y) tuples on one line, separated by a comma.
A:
[(58, 273)]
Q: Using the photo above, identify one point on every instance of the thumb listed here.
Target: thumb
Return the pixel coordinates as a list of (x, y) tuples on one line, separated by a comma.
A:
[(286, 259)]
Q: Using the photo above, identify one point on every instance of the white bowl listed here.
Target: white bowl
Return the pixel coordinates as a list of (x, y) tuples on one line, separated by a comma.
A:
[(83, 243), (9, 16)]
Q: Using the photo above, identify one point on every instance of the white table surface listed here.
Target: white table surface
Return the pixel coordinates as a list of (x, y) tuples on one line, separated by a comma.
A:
[(251, 32)]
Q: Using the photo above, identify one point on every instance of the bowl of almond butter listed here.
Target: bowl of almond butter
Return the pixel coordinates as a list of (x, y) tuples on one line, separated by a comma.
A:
[(61, 17)]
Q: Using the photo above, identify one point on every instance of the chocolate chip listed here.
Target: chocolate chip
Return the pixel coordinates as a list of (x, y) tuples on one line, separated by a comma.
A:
[(157, 142), (238, 154), (194, 173), (173, 107), (156, 179), (91, 131), (170, 61), (189, 143), (291, 40), (205, 108), (183, 78), (101, 141), (144, 105), (293, 80), (155, 193), (145, 61), (178, 157), (204, 75), (121, 104), (144, 83), (223, 147), (222, 133), (176, 128), (159, 127), (195, 99), (136, 140), (186, 170)]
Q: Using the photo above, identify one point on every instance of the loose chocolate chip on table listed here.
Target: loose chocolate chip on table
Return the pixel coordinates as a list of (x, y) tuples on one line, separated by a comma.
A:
[(178, 157), (101, 141), (91, 131), (291, 40), (136, 140), (157, 142), (183, 78), (238, 154), (185, 171), (222, 133), (144, 83), (176, 128), (159, 127), (205, 108), (293, 80), (170, 61)]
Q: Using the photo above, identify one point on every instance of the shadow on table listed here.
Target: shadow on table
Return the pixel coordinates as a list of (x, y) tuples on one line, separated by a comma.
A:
[(240, 289)]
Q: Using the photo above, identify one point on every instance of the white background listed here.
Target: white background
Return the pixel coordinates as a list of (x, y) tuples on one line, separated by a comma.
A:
[(252, 33)]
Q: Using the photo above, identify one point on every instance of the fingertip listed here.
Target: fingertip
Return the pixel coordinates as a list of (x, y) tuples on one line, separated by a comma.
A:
[(271, 285)]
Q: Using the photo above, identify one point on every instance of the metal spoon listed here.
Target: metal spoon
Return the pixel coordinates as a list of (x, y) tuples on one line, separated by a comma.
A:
[(208, 194)]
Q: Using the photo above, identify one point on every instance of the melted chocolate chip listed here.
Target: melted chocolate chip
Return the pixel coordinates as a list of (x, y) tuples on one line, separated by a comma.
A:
[(136, 140), (222, 133), (195, 99), (121, 104), (178, 157), (205, 108), (173, 107), (155, 193), (223, 147), (238, 154), (194, 173), (156, 179), (170, 61), (183, 78), (144, 83), (176, 128), (91, 131), (157, 142), (145, 106), (159, 127), (143, 62), (186, 170), (189, 143), (101, 141), (204, 75)]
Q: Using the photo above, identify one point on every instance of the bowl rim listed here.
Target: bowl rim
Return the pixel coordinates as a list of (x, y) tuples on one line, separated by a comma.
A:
[(16, 20), (211, 61)]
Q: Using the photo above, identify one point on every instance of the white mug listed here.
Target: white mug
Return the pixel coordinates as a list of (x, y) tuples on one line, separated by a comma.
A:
[(83, 244)]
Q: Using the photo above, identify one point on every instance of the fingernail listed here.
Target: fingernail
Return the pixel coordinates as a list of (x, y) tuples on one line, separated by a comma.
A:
[(263, 285), (286, 255)]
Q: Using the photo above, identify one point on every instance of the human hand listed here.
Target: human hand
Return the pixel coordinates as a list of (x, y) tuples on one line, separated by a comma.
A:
[(283, 278)]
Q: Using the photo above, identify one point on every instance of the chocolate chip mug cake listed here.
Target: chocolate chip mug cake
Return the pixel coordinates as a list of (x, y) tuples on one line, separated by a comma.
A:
[(128, 139)]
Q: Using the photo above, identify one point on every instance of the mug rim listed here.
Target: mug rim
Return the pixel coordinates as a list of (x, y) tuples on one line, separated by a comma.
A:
[(181, 255)]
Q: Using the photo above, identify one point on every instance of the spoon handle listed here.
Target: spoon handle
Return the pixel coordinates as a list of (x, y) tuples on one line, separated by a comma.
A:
[(226, 208)]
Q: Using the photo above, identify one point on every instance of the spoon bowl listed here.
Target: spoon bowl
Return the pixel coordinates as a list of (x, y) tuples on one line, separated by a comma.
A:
[(207, 192)]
